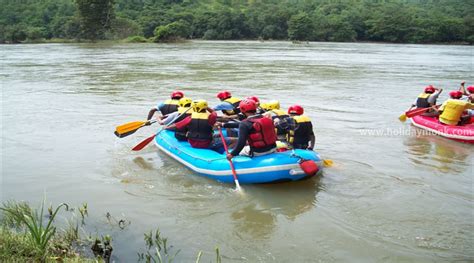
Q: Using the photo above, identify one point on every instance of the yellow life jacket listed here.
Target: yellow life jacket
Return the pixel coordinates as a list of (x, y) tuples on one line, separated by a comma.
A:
[(235, 103), (199, 128), (300, 132), (180, 134), (169, 106), (452, 111)]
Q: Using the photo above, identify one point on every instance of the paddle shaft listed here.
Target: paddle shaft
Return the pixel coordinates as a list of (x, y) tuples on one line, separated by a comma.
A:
[(234, 173), (145, 142), (416, 112)]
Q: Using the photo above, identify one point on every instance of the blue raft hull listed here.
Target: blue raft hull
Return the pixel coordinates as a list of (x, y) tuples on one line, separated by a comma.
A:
[(271, 168)]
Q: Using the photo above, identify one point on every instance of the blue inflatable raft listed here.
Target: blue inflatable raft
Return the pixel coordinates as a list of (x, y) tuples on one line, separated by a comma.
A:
[(271, 168)]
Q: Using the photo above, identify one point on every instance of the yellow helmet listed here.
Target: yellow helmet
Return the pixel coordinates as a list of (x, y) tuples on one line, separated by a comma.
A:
[(185, 102), (271, 105), (199, 105)]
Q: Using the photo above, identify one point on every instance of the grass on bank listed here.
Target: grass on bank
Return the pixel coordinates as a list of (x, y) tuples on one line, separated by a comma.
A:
[(30, 235)]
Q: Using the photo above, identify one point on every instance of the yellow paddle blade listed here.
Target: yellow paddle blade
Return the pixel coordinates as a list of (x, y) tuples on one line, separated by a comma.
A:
[(403, 117), (327, 163), (129, 128)]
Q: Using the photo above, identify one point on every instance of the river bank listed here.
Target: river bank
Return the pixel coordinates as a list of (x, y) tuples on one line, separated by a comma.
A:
[(141, 39)]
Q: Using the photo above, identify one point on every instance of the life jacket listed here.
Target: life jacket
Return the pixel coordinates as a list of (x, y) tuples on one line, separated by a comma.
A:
[(262, 133), (180, 134), (422, 101), (452, 111), (235, 103), (169, 106), (282, 124), (300, 132), (199, 128)]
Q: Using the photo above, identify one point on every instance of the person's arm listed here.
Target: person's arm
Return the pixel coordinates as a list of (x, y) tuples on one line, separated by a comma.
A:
[(312, 142), (433, 97), (231, 124), (463, 89), (151, 113), (243, 135), (180, 125), (226, 118), (440, 109), (170, 118), (212, 118)]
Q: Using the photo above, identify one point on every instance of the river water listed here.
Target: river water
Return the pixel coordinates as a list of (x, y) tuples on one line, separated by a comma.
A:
[(392, 195)]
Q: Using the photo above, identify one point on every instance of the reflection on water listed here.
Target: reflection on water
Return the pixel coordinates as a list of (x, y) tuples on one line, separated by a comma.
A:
[(444, 155), (264, 203)]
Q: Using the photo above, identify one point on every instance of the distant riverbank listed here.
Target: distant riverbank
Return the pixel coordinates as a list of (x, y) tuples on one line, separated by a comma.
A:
[(141, 39)]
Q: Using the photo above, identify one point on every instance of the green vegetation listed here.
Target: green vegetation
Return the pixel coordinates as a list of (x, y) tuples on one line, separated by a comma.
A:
[(400, 21), (26, 237)]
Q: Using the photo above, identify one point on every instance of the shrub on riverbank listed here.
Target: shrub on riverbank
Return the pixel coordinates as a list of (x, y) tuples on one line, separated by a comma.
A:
[(32, 235), (136, 39)]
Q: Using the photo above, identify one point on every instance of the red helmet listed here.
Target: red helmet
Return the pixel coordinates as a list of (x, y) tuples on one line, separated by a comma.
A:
[(224, 95), (177, 94), (295, 109), (247, 106), (455, 94), (470, 89), (429, 89), (254, 99)]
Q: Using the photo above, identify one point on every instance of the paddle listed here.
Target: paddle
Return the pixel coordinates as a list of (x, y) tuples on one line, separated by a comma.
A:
[(234, 173), (415, 112), (145, 142), (328, 162), (127, 129)]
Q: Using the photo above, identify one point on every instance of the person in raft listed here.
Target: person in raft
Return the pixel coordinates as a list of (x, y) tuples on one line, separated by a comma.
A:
[(255, 129), (184, 110), (452, 110), (300, 135), (229, 105), (280, 118), (200, 127), (427, 99), (168, 106), (469, 92)]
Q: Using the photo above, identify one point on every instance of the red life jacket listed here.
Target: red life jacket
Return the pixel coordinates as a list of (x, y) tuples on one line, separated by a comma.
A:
[(263, 133)]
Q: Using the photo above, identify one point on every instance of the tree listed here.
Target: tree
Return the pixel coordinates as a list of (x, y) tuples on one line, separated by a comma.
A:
[(300, 27), (172, 31), (95, 17)]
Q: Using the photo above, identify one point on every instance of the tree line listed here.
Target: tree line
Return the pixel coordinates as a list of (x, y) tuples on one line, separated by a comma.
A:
[(398, 21)]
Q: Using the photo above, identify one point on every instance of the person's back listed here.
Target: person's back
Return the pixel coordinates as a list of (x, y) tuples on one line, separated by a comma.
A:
[(280, 118), (184, 111), (168, 106), (229, 105), (200, 128), (428, 99), (257, 130), (300, 134)]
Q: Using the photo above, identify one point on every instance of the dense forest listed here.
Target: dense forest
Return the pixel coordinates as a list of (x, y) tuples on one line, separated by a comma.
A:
[(400, 21)]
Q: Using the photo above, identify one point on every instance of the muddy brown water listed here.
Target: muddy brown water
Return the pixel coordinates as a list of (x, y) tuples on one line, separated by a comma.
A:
[(393, 194)]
